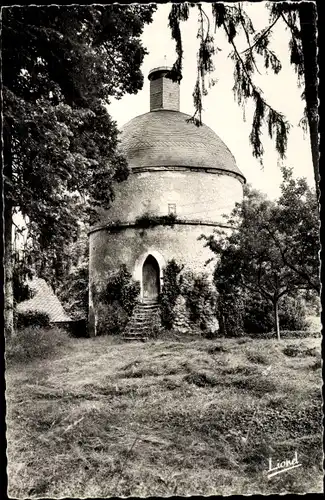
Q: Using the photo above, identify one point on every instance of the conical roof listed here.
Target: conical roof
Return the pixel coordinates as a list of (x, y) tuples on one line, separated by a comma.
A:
[(165, 138), (44, 300)]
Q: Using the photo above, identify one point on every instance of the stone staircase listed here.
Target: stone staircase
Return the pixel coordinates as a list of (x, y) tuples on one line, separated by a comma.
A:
[(145, 316)]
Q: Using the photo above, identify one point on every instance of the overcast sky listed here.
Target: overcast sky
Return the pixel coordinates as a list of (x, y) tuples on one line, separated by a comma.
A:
[(221, 112)]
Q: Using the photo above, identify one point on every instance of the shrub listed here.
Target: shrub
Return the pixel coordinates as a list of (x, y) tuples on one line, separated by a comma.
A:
[(292, 314), (35, 343), (169, 293), (286, 334), (149, 220), (230, 313), (78, 328), (121, 288), (258, 317), (111, 319), (115, 302), (201, 300), (25, 319), (199, 294), (298, 334)]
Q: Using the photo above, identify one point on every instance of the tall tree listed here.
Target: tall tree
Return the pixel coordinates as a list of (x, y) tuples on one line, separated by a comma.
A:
[(300, 18), (296, 230), (264, 253), (60, 67)]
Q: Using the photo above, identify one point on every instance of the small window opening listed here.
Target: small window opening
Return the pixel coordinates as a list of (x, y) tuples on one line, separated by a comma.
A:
[(171, 208)]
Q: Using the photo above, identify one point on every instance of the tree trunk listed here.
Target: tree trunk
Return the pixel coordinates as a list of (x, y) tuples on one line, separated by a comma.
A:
[(222, 325), (8, 263), (308, 26), (8, 292), (276, 318)]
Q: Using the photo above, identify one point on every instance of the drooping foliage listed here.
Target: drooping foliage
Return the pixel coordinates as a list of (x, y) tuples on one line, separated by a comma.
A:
[(300, 19)]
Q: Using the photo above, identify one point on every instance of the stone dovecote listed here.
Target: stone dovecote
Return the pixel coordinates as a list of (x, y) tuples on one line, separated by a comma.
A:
[(173, 163)]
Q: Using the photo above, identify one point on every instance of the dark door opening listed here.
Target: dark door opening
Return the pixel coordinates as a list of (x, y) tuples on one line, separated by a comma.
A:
[(150, 278)]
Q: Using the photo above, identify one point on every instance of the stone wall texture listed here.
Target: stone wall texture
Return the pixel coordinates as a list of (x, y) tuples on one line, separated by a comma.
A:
[(164, 94), (156, 100), (109, 249), (197, 196)]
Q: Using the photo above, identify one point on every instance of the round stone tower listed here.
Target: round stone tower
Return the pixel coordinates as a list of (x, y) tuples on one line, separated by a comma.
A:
[(175, 168)]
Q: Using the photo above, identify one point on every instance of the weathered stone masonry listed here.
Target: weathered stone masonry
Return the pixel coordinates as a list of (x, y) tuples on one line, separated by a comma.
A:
[(174, 167)]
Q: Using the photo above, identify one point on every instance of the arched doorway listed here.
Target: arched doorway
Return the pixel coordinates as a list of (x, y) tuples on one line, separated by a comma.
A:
[(150, 278)]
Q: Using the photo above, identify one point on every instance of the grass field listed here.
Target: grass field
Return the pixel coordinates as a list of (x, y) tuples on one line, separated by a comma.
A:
[(165, 418)]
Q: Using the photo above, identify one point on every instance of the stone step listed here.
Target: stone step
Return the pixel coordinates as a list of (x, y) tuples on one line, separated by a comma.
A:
[(145, 315), (133, 329), (146, 308), (149, 306), (136, 323)]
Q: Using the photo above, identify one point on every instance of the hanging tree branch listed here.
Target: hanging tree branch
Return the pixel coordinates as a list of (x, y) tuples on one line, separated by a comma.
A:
[(230, 18), (262, 36), (204, 65), (275, 120), (246, 31), (178, 13)]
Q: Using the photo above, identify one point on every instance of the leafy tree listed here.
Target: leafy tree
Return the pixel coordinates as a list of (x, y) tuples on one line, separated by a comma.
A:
[(253, 255), (73, 287), (300, 18), (21, 290), (61, 65), (296, 232)]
